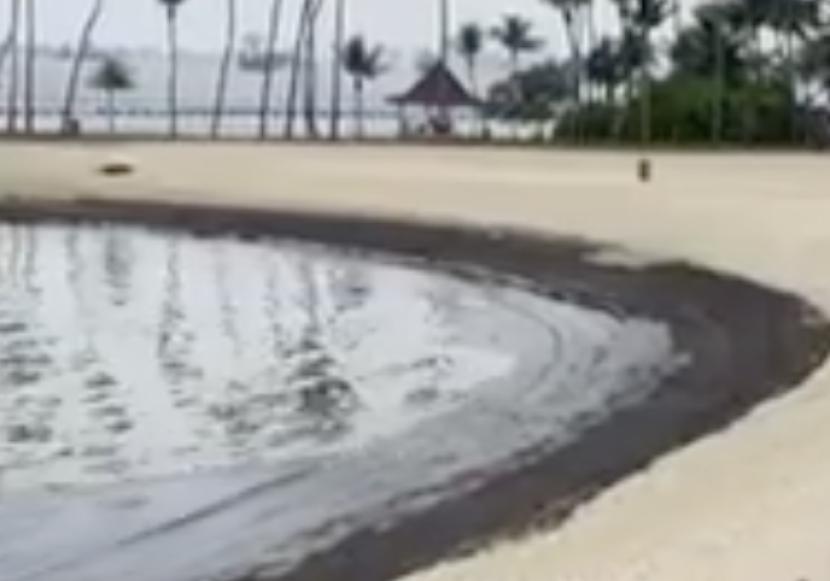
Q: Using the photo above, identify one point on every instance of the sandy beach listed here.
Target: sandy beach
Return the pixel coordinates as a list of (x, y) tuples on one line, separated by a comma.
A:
[(747, 503)]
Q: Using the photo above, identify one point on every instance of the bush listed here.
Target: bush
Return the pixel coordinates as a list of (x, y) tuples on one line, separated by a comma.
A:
[(683, 111)]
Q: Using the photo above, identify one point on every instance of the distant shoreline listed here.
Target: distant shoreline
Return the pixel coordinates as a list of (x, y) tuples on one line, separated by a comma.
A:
[(100, 138)]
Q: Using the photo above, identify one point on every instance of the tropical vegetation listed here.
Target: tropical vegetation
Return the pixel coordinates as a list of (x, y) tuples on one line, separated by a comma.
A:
[(363, 64), (111, 77), (725, 72)]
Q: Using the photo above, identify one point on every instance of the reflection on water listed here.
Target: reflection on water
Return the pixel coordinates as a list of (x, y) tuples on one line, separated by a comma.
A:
[(117, 258), (340, 392), (128, 353)]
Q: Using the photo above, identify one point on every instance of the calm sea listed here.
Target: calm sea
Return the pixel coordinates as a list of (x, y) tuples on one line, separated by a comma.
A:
[(143, 109)]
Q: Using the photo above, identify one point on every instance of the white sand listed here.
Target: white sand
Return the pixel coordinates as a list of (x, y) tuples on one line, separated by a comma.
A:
[(751, 504)]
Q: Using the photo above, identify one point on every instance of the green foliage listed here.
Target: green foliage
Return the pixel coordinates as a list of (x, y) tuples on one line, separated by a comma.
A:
[(725, 83), (682, 112), (814, 61), (709, 48), (362, 61), (470, 41), (531, 94), (604, 65), (515, 35)]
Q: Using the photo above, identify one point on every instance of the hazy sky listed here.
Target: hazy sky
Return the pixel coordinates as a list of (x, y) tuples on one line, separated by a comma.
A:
[(408, 24)]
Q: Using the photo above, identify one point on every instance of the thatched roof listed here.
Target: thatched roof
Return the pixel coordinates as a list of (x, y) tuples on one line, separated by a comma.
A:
[(439, 87)]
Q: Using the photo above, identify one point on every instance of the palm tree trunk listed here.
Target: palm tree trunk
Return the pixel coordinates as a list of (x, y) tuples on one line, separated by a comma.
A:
[(67, 114), (296, 62), (224, 69), (270, 62), (4, 51), (310, 91), (677, 27), (793, 82), (610, 94), (14, 55), (623, 115), (576, 89), (582, 82), (111, 110), (443, 110), (592, 42), (29, 84), (519, 93), (445, 31), (645, 95), (472, 70), (173, 73), (471, 75), (717, 109), (751, 108), (337, 68), (358, 113)]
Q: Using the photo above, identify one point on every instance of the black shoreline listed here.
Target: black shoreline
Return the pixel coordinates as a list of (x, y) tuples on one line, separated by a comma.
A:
[(747, 343)]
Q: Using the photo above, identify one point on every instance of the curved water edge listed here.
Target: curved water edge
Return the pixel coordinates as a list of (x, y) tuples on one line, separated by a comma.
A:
[(511, 450), (131, 354)]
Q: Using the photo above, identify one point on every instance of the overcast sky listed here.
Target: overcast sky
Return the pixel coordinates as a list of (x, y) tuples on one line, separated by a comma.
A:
[(405, 24)]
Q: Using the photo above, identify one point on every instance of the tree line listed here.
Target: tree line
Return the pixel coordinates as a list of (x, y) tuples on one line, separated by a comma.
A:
[(735, 71), (355, 56), (745, 71)]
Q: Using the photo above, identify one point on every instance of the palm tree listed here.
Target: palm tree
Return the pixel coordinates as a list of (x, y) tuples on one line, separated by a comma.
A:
[(172, 9), (364, 65), (629, 48), (270, 65), (443, 44), (29, 84), (713, 48), (794, 20), (111, 77), (604, 67), (570, 12), (717, 27), (306, 12), (5, 47), (224, 70), (514, 34), (648, 15), (68, 113), (755, 14), (14, 24), (470, 44), (591, 23), (814, 62), (336, 73), (310, 88)]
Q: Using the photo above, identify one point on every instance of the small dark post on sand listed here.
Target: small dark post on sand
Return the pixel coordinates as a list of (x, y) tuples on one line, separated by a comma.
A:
[(644, 169)]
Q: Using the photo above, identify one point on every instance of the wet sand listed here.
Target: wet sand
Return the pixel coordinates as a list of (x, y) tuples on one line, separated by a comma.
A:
[(695, 211)]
